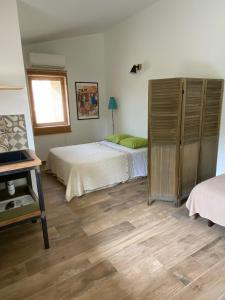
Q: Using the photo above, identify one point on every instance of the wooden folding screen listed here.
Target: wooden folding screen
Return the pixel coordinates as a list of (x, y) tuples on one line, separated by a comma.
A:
[(184, 115)]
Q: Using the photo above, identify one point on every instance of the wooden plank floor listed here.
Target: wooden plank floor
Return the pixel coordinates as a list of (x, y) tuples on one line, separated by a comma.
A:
[(110, 245)]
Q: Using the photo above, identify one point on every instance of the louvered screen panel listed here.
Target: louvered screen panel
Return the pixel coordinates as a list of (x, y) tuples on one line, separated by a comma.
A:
[(212, 106), (165, 97), (192, 110)]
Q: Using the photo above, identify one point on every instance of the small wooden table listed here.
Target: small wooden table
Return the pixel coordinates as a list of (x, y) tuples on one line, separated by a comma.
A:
[(30, 212)]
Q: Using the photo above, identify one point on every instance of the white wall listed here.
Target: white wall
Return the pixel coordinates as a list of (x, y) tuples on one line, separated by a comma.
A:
[(84, 62), (170, 38), (11, 61), (12, 67)]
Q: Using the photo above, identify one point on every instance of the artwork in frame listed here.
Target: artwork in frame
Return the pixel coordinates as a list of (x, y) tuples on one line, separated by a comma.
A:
[(87, 100)]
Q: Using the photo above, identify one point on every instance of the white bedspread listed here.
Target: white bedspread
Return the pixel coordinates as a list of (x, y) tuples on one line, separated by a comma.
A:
[(208, 200), (87, 167), (137, 159)]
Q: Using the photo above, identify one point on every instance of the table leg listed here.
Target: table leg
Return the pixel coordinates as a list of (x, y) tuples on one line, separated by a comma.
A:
[(42, 208)]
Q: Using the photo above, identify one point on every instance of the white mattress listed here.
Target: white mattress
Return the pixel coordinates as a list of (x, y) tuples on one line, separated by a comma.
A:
[(89, 167), (137, 159)]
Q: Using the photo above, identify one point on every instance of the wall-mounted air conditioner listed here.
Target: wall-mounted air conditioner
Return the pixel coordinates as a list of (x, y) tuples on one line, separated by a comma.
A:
[(48, 61)]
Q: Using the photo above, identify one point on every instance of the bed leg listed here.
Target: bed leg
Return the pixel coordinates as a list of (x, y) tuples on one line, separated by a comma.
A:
[(210, 223)]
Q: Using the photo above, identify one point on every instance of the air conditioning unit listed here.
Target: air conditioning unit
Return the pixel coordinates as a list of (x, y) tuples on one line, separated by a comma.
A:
[(48, 61)]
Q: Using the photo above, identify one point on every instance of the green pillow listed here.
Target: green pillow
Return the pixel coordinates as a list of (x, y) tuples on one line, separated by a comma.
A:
[(116, 138), (134, 142)]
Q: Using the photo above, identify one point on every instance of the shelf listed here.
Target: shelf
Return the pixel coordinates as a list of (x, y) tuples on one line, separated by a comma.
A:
[(31, 210), (19, 214), (20, 191)]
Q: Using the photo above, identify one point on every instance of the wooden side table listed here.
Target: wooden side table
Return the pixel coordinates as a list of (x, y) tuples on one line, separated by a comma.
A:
[(29, 212)]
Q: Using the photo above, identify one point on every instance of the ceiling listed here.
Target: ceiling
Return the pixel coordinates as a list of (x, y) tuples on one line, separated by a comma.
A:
[(42, 20)]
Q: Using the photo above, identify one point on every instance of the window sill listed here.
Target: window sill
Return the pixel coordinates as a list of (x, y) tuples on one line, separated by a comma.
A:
[(52, 130)]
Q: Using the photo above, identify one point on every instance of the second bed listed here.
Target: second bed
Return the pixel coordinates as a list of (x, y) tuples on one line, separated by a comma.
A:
[(89, 167)]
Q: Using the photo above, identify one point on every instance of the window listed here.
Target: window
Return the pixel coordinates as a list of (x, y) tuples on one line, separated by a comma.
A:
[(49, 101)]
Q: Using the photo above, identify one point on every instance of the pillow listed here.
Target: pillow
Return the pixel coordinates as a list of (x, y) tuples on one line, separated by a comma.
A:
[(134, 142), (116, 138)]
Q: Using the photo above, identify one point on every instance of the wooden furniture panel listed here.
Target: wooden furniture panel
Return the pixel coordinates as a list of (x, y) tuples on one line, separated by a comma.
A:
[(212, 107), (21, 217), (192, 110), (163, 172), (189, 168), (212, 102), (183, 129), (164, 132), (165, 107), (193, 91), (208, 158)]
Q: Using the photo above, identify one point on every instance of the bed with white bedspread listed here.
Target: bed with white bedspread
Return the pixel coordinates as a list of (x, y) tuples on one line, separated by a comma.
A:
[(208, 200), (89, 167)]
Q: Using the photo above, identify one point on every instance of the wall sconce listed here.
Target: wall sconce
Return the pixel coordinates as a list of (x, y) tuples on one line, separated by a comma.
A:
[(136, 68)]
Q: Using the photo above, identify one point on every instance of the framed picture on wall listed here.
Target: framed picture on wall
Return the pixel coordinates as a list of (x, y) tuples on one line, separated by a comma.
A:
[(87, 98)]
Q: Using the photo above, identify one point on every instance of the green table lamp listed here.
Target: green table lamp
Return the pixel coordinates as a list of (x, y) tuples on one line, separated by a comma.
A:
[(112, 106)]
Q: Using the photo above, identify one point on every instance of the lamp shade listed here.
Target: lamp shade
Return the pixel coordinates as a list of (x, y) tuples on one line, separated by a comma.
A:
[(112, 103)]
